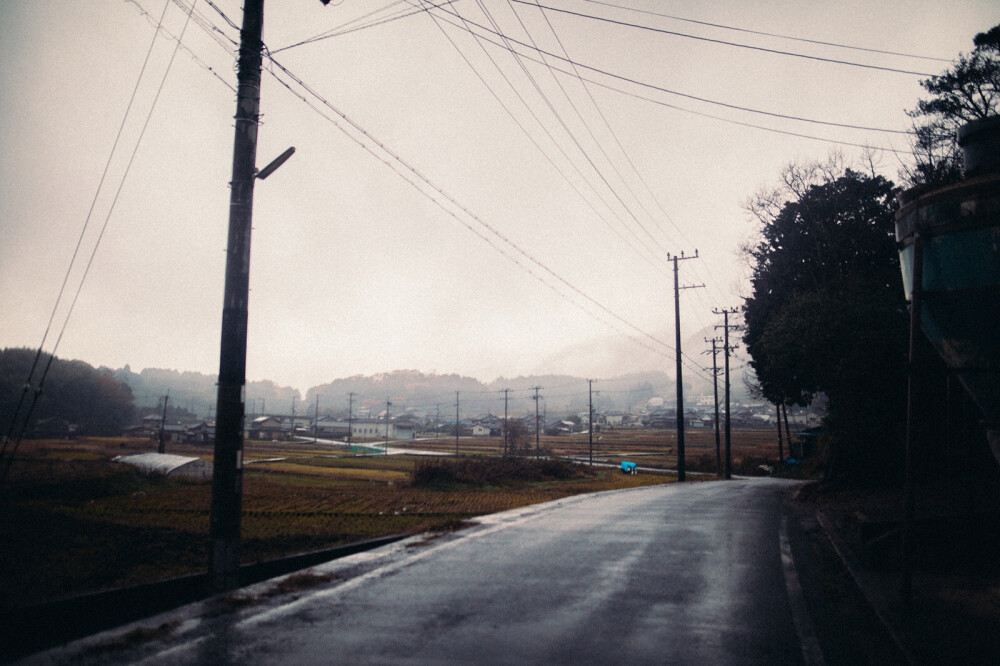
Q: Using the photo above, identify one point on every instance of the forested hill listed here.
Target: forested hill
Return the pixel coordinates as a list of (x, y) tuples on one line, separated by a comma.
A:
[(104, 400), (412, 389), (75, 392), (196, 391)]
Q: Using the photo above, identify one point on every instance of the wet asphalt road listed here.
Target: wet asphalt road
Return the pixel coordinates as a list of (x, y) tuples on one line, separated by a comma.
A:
[(675, 574)]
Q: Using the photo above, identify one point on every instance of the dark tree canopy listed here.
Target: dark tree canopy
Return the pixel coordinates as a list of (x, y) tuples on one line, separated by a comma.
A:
[(74, 391), (827, 312), (969, 90)]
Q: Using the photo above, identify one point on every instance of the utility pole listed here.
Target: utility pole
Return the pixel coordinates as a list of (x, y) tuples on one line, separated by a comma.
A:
[(725, 313), (535, 398), (387, 406), (316, 421), (163, 424), (781, 450), (505, 392), (291, 429), (350, 419), (788, 433), (457, 425), (437, 422), (715, 391), (227, 466), (590, 417), (912, 404), (680, 379)]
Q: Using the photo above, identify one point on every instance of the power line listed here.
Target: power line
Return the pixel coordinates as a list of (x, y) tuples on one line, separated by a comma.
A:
[(394, 158), (724, 42), (214, 33), (697, 98), (97, 243), (500, 248), (770, 34), (614, 135), (651, 260), (576, 142), (343, 29)]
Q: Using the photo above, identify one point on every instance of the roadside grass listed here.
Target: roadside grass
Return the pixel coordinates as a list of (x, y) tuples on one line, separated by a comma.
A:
[(72, 521)]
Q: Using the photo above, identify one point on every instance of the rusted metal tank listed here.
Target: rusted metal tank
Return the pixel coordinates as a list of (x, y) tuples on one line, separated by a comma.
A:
[(955, 230)]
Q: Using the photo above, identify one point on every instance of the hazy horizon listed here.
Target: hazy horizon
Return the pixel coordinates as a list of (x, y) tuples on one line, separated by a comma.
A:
[(449, 208)]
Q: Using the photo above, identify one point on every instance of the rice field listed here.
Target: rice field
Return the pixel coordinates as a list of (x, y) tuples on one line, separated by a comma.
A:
[(73, 521)]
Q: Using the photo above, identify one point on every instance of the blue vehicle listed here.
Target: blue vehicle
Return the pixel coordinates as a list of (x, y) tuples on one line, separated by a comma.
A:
[(628, 467)]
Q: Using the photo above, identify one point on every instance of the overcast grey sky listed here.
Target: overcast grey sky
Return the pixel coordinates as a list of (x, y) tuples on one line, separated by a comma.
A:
[(579, 188)]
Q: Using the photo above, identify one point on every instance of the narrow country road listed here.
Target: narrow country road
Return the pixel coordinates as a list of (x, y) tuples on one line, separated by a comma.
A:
[(674, 574)]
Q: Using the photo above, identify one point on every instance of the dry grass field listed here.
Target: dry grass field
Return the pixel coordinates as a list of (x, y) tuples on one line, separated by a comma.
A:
[(73, 521)]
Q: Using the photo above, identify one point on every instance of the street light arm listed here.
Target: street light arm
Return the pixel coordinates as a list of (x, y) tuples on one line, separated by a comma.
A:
[(275, 163)]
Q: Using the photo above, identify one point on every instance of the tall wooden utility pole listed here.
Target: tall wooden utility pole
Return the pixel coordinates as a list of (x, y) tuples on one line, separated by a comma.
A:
[(227, 468), (680, 380), (457, 425), (725, 313)]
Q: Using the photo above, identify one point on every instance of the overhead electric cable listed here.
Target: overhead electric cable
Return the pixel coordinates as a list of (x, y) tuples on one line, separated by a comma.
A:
[(668, 91), (593, 138), (97, 243), (628, 159), (232, 23), (555, 142), (724, 42), (479, 221), (614, 135), (214, 33), (770, 34), (344, 30), (79, 241)]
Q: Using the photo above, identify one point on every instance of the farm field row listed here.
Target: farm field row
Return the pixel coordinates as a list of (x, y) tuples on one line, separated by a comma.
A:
[(73, 521)]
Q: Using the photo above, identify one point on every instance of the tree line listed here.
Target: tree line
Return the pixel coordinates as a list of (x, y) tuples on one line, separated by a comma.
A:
[(74, 392), (827, 313)]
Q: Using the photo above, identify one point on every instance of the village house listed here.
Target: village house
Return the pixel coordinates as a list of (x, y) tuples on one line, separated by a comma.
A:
[(265, 428)]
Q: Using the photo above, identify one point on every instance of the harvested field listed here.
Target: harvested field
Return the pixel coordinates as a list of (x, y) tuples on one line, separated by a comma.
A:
[(73, 521)]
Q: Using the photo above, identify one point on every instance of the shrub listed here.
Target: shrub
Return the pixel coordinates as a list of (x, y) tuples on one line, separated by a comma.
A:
[(495, 471)]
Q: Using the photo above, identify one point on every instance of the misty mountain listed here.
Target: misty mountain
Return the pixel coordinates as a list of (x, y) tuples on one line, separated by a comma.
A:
[(413, 390), (196, 391), (619, 357)]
